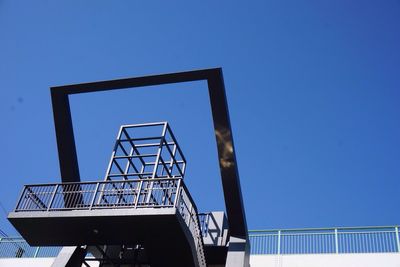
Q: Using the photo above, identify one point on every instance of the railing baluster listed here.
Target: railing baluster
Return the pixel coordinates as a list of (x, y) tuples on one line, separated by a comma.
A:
[(94, 196), (36, 252), (138, 193), (397, 238), (52, 197), (279, 242), (336, 241), (177, 194)]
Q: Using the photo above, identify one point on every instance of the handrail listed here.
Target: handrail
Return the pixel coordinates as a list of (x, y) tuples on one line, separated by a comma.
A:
[(366, 239), (99, 195), (17, 247), (321, 228), (96, 182), (267, 243), (113, 194)]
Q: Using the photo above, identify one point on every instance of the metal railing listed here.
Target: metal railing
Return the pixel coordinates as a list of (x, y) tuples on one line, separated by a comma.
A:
[(189, 213), (139, 193), (382, 239), (204, 220), (11, 247)]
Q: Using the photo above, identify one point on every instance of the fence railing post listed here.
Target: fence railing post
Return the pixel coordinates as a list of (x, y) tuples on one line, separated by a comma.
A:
[(94, 196), (177, 194), (279, 242), (336, 241), (139, 192), (20, 198), (36, 252), (397, 238), (52, 197)]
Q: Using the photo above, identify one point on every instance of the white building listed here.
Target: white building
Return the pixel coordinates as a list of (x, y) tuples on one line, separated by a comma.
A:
[(330, 247)]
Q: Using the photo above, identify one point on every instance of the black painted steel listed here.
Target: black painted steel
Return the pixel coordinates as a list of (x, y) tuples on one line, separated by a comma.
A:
[(226, 153)]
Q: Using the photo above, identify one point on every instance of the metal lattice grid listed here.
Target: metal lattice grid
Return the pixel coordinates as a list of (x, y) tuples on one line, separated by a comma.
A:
[(146, 151)]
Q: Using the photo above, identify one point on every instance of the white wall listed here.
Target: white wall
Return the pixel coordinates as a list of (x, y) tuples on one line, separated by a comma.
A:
[(307, 260), (25, 262), (327, 260), (33, 262)]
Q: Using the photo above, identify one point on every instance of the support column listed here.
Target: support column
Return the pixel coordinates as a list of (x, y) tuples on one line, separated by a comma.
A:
[(238, 252)]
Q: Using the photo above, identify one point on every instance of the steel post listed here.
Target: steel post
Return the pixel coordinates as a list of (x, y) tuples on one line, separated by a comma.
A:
[(397, 238), (178, 193), (336, 241), (36, 252), (138, 193), (279, 242), (94, 195), (52, 197), (20, 198)]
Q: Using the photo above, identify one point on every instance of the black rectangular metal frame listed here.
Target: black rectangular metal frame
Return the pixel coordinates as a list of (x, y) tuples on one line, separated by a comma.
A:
[(227, 160)]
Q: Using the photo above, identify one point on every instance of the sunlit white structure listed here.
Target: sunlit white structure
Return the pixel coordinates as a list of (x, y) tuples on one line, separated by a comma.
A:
[(324, 247)]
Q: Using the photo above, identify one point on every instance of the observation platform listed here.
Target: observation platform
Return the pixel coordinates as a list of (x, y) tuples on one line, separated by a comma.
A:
[(151, 213), (142, 202)]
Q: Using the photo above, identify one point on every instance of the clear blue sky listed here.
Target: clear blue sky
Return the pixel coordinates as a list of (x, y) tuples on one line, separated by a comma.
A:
[(313, 90)]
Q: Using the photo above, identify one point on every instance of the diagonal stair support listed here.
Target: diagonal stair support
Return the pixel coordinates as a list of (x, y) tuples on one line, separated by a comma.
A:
[(70, 257)]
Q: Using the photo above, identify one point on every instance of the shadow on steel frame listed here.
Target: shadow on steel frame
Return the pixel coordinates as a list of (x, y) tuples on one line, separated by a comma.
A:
[(238, 250)]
